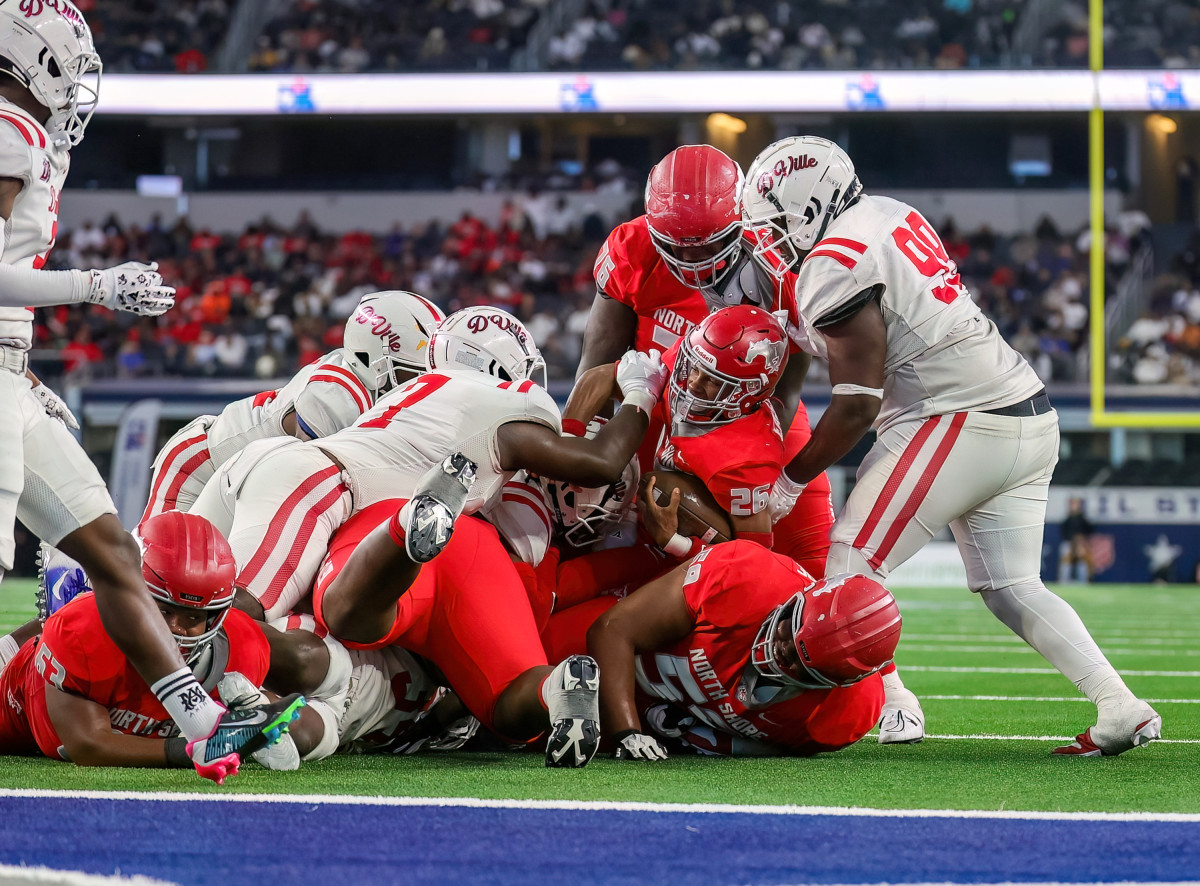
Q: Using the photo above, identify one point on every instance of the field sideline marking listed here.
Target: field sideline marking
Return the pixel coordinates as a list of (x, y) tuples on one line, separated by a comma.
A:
[(1023, 649), (596, 805), (991, 737), (1045, 698), (943, 669)]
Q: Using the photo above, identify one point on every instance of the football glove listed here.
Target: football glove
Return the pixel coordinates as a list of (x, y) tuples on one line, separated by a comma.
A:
[(668, 720), (638, 746), (239, 693), (133, 286), (641, 378), (783, 497), (55, 407), (242, 732)]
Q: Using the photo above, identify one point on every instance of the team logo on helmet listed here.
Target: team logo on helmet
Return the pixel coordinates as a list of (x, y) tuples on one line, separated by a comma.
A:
[(772, 353)]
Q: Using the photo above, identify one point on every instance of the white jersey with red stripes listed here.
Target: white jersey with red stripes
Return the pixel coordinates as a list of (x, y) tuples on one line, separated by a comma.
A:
[(28, 154), (416, 426), (943, 355), (523, 518), (325, 397)]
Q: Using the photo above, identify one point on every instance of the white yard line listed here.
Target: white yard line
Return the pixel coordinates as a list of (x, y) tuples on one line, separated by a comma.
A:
[(939, 669), (1023, 650), (596, 805), (923, 697)]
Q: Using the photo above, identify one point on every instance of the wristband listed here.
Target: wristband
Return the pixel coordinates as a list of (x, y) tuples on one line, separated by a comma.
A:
[(574, 427), (683, 546), (641, 400), (176, 752), (850, 390)]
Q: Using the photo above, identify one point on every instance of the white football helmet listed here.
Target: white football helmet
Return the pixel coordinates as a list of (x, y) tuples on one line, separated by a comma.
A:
[(487, 340), (583, 515), (793, 190), (388, 331), (47, 47)]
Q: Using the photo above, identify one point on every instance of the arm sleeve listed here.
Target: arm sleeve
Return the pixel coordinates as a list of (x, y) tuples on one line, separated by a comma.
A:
[(326, 405), (25, 287), (733, 487)]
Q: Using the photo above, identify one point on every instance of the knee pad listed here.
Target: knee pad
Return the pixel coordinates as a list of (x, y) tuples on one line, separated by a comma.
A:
[(846, 558), (330, 740)]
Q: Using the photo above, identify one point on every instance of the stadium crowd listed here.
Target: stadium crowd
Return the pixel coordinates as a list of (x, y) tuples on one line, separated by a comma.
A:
[(482, 35), (268, 299)]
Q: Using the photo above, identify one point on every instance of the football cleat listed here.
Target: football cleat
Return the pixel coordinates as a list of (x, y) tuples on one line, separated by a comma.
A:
[(902, 720), (241, 732), (572, 693), (1134, 725), (436, 503), (60, 580)]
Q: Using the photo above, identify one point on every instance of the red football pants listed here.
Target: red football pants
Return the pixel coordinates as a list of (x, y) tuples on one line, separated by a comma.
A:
[(467, 610)]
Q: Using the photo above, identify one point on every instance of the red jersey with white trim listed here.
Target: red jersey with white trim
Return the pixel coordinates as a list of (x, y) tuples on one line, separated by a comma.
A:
[(738, 461), (730, 589), (326, 396), (28, 153), (943, 355), (420, 423), (629, 269), (76, 655)]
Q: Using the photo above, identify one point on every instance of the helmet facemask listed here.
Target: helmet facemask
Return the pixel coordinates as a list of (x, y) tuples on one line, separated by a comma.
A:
[(216, 610), (789, 616), (720, 251), (721, 397)]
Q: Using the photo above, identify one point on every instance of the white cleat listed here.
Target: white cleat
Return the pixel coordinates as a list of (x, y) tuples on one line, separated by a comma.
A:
[(902, 720), (437, 502), (573, 702), (1131, 725)]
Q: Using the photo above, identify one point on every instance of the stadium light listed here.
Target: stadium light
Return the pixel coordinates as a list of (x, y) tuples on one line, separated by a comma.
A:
[(1162, 123), (726, 123)]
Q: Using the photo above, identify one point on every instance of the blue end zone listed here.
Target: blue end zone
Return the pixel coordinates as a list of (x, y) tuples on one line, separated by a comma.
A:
[(204, 841)]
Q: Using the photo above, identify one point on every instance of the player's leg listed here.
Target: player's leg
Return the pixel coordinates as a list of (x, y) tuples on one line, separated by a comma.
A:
[(917, 477), (180, 470), (287, 507), (1001, 544)]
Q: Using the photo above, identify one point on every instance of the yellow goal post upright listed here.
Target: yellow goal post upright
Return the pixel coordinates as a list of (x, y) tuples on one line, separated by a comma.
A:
[(1101, 416)]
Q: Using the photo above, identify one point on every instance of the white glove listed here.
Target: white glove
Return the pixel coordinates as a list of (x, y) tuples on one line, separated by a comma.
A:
[(639, 746), (238, 692), (669, 720), (783, 497), (132, 286), (55, 407), (641, 378)]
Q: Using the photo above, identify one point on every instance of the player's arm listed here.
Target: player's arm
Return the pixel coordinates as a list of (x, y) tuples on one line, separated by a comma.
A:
[(10, 188), (594, 390), (787, 389), (610, 333), (596, 462), (88, 739), (857, 349), (652, 617)]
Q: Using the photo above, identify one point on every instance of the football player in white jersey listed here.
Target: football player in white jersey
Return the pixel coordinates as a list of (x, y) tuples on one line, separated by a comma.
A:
[(49, 77), (384, 347), (966, 433)]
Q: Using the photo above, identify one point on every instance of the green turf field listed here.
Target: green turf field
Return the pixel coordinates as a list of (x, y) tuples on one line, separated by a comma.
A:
[(989, 700)]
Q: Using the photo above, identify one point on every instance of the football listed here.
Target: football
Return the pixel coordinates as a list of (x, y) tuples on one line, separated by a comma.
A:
[(699, 513)]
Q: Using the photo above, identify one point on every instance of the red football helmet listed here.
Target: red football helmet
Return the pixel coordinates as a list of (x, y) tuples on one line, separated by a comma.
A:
[(727, 366), (844, 628), (187, 562), (692, 213)]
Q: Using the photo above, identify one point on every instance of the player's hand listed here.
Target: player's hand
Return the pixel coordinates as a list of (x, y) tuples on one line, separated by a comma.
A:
[(639, 746), (134, 287), (661, 522), (641, 378), (783, 497), (55, 407), (669, 721), (239, 693)]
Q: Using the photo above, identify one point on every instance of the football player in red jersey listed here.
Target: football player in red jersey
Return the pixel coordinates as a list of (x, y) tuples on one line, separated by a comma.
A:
[(72, 695), (660, 274), (740, 651)]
